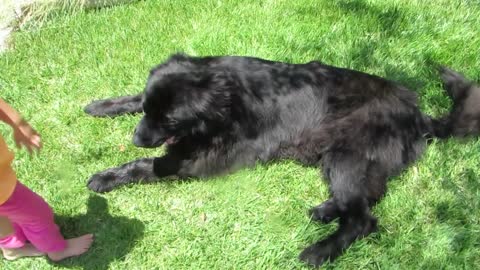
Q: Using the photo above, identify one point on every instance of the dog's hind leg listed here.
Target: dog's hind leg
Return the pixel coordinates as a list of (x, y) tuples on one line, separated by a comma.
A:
[(352, 197), (375, 185), (324, 212), (112, 107)]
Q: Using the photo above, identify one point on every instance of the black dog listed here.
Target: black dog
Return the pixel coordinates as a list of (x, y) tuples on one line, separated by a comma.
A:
[(218, 114)]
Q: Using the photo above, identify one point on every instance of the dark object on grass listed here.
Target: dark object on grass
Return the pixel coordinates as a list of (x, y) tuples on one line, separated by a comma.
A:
[(218, 114), (115, 236)]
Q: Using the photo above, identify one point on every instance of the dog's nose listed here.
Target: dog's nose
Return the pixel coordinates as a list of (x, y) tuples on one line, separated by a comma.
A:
[(137, 140)]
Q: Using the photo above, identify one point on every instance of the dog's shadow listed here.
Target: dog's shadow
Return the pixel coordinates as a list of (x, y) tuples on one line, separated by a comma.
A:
[(114, 236)]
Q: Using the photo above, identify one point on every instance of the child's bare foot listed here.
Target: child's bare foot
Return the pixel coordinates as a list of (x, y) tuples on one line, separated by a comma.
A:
[(75, 247), (28, 250)]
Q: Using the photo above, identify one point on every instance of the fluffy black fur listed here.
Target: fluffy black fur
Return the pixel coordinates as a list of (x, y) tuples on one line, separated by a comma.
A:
[(218, 114)]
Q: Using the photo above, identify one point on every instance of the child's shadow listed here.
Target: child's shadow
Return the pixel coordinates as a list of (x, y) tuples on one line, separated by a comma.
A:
[(114, 236)]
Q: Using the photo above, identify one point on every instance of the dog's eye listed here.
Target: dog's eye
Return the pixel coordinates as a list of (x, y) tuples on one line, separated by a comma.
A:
[(169, 123)]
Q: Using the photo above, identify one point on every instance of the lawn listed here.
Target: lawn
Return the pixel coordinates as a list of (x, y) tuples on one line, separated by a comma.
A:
[(255, 218)]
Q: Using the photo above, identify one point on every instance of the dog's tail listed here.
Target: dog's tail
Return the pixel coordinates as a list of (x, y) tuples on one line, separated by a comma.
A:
[(464, 117)]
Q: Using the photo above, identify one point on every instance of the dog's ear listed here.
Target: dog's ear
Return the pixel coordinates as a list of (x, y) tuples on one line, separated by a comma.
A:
[(455, 84), (213, 95)]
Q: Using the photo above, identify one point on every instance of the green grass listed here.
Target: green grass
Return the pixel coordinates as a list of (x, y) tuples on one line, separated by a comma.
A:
[(255, 218)]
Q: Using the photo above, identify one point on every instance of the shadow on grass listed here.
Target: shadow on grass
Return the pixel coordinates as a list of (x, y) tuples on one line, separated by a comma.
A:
[(390, 23), (380, 25), (457, 215), (114, 236), (389, 19)]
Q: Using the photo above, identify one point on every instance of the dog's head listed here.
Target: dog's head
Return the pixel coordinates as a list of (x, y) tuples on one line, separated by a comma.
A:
[(182, 99), (465, 117)]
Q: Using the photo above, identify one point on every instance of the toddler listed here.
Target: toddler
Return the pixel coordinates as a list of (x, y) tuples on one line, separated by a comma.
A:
[(27, 226)]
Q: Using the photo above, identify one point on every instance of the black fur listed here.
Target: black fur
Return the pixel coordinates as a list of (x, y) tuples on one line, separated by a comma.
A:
[(218, 114)]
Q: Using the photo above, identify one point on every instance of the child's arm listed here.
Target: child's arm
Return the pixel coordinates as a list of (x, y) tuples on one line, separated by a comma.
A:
[(8, 114), (23, 133)]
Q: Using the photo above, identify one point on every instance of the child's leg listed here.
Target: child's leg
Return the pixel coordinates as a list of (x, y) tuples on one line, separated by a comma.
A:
[(15, 240), (35, 217), (13, 246), (28, 250), (6, 227)]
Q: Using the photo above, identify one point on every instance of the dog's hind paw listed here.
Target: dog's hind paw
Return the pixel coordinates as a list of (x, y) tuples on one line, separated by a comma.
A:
[(325, 212)]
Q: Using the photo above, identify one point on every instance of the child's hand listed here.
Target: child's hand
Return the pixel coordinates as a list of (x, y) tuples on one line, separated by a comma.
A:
[(25, 135)]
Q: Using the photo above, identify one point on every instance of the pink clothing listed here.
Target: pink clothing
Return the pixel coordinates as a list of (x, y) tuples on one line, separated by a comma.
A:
[(33, 221)]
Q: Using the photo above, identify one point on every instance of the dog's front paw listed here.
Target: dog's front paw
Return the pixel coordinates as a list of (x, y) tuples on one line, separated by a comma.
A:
[(102, 182), (315, 255), (99, 108)]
